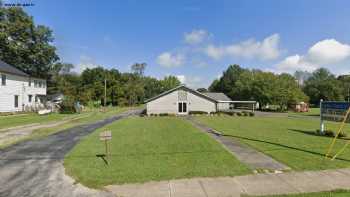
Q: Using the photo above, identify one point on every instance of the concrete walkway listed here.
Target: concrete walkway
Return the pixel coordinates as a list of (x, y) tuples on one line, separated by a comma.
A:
[(254, 159), (258, 184)]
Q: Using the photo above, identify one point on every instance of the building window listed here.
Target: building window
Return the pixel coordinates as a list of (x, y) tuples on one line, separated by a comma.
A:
[(3, 79), (40, 84), (16, 101), (30, 83), (30, 98), (35, 83), (36, 99)]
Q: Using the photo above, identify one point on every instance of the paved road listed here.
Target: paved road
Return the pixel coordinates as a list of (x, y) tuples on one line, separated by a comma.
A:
[(34, 168)]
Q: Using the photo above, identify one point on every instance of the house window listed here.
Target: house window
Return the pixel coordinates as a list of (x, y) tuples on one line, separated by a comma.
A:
[(35, 83), (39, 84), (3, 79), (30, 83), (36, 99), (16, 101), (182, 107), (30, 98)]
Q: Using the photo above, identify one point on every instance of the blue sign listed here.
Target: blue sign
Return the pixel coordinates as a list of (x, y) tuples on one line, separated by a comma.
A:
[(335, 105)]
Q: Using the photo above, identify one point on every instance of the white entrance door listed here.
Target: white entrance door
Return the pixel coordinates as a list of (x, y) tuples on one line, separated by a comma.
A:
[(182, 107)]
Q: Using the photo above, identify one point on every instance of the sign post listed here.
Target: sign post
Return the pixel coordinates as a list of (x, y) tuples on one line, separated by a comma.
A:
[(321, 119), (105, 136)]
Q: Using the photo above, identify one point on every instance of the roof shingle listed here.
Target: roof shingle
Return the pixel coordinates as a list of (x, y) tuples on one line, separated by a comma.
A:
[(218, 96), (6, 68)]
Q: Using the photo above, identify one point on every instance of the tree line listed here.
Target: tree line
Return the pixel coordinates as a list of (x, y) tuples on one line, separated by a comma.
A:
[(283, 89)]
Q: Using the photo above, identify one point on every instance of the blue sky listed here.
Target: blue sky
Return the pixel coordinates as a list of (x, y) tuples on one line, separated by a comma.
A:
[(197, 40)]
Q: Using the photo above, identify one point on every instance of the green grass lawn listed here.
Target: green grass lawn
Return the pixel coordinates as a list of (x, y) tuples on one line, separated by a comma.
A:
[(339, 193), (145, 149), (312, 112), (25, 119), (289, 140)]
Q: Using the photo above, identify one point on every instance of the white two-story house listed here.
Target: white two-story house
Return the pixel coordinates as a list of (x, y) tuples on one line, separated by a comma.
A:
[(19, 91)]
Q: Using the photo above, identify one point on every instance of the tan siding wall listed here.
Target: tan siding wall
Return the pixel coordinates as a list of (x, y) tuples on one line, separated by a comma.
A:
[(223, 106), (197, 103), (169, 104)]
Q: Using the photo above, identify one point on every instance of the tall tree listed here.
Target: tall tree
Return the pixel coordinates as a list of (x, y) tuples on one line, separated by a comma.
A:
[(345, 82), (170, 82), (25, 45), (323, 85)]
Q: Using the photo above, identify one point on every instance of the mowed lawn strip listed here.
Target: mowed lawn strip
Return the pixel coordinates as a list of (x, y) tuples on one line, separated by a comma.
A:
[(150, 149), (291, 141), (26, 119)]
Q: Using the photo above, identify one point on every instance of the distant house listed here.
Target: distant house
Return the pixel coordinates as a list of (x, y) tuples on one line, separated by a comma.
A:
[(181, 100), (19, 91)]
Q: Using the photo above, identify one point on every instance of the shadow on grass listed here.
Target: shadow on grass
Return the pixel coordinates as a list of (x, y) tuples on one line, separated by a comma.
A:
[(103, 157), (284, 146), (316, 134)]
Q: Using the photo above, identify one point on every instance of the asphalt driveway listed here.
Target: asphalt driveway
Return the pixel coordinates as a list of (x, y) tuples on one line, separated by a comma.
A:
[(35, 167)]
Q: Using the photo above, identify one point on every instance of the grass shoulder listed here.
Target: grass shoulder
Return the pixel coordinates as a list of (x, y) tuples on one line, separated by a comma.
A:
[(292, 141), (150, 149)]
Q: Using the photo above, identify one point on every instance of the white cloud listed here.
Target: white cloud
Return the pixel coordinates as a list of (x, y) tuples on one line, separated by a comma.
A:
[(215, 52), (84, 63), (191, 81), (327, 53), (268, 49), (196, 36), (295, 62), (169, 60), (181, 78)]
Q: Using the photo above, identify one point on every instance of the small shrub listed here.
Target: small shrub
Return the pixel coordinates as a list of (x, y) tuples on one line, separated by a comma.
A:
[(228, 113), (239, 114), (245, 113), (163, 114), (251, 114), (67, 106), (197, 112), (143, 113), (331, 133)]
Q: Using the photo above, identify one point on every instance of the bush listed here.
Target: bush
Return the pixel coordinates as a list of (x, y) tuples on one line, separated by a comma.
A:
[(229, 113), (163, 114), (143, 113), (197, 112), (251, 114), (245, 113), (239, 114), (331, 133), (67, 106)]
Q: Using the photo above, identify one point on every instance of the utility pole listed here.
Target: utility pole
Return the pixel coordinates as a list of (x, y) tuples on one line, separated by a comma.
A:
[(105, 100)]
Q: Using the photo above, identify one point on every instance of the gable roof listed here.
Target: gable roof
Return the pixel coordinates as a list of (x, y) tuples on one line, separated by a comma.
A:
[(218, 96), (6, 68), (181, 87)]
